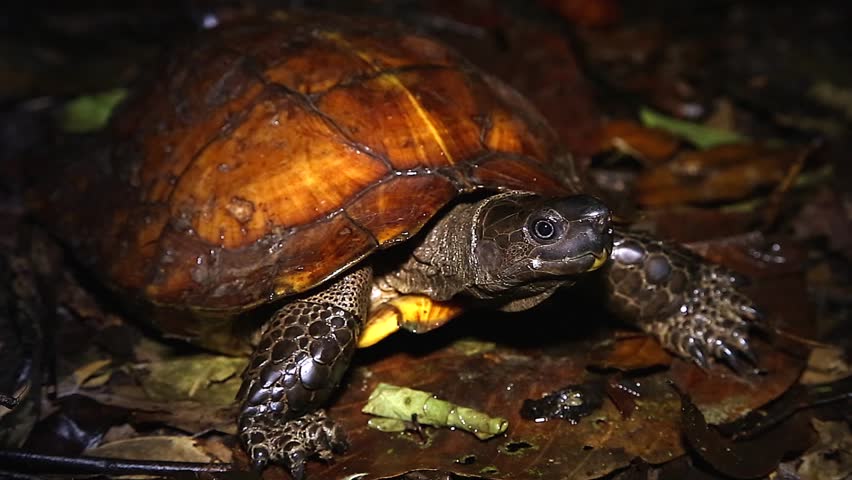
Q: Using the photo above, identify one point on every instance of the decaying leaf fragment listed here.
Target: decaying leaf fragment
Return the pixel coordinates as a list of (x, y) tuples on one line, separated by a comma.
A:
[(401, 404), (162, 448), (831, 457)]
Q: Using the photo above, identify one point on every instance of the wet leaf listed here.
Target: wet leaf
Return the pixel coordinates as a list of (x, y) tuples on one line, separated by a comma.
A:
[(539, 62), (91, 112), (700, 135), (209, 379), (719, 174), (648, 144), (796, 399), (499, 379), (406, 404), (743, 459), (635, 352)]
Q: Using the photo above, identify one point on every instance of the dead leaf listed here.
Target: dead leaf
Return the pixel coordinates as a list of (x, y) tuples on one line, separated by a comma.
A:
[(831, 457), (721, 174), (205, 378), (635, 352), (164, 448), (826, 364), (650, 145), (90, 375), (743, 459)]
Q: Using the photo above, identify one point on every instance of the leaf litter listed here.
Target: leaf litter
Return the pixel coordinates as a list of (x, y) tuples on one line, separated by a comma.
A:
[(522, 359)]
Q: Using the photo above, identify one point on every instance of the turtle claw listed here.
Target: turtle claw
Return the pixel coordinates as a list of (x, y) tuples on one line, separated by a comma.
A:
[(745, 351), (698, 355), (751, 312), (712, 323), (732, 359), (291, 444)]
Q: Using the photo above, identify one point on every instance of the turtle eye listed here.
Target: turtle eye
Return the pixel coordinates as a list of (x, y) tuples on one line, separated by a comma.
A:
[(544, 229)]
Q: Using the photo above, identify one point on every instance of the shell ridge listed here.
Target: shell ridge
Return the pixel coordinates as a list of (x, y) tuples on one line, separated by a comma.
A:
[(395, 80)]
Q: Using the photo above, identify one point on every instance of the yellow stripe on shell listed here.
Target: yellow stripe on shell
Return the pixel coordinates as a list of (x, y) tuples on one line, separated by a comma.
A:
[(396, 82)]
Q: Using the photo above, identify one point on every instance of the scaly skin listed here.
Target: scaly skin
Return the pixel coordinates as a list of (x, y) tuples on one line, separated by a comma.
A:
[(693, 307), (301, 357), (483, 251)]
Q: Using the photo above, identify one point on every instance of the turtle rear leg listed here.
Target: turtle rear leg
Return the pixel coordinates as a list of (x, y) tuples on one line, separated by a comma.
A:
[(302, 354), (692, 306)]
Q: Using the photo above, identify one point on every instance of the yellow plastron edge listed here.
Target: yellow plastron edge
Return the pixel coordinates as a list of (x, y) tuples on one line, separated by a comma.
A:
[(416, 313)]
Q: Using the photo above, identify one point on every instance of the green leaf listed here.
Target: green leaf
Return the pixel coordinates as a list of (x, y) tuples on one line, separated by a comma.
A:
[(700, 135), (91, 112), (404, 404), (209, 379)]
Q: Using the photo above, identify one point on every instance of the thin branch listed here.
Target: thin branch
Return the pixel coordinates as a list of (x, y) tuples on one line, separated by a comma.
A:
[(15, 460)]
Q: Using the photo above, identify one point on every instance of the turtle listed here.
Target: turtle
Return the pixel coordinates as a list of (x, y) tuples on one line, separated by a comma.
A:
[(359, 177)]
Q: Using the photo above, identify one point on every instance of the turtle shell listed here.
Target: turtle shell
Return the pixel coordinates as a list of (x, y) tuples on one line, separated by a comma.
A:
[(269, 155)]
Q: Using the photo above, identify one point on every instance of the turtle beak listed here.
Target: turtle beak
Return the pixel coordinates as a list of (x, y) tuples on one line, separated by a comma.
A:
[(600, 260)]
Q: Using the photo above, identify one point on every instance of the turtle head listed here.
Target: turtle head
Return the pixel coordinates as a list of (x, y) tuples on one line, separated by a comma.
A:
[(526, 245)]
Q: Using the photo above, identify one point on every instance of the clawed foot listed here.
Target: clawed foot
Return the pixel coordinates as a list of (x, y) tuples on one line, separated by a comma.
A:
[(713, 322), (291, 444)]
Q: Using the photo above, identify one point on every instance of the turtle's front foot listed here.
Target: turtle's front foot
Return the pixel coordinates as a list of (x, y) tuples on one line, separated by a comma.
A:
[(299, 360), (693, 307), (292, 443), (713, 321)]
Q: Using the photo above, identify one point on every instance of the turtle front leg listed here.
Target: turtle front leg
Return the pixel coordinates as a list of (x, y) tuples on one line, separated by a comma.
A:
[(692, 306), (302, 354)]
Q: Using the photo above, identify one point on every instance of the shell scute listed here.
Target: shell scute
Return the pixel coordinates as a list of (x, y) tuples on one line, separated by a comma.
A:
[(269, 156)]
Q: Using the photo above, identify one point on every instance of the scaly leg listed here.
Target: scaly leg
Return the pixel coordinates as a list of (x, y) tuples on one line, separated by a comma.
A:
[(302, 355), (693, 307)]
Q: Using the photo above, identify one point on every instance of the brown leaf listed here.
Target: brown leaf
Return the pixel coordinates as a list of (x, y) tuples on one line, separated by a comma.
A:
[(165, 448), (743, 459), (650, 145), (826, 364), (831, 457), (721, 174), (499, 379), (692, 224), (635, 352)]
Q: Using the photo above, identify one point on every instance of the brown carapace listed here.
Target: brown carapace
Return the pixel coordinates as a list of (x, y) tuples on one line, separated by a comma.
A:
[(269, 156)]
